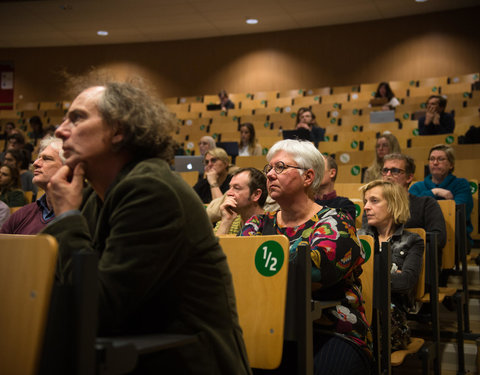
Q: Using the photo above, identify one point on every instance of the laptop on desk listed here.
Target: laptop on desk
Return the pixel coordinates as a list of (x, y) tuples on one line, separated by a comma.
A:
[(187, 163), (214, 107), (382, 116)]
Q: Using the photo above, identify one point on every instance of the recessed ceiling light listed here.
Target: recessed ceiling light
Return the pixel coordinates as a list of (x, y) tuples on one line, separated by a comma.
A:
[(102, 32), (251, 21)]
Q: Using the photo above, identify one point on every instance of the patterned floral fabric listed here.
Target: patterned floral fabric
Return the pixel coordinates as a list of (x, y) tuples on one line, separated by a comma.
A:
[(336, 258)]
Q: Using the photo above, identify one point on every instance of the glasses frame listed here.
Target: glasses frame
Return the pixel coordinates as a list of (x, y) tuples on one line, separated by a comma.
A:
[(393, 171), (440, 159), (212, 160), (279, 167)]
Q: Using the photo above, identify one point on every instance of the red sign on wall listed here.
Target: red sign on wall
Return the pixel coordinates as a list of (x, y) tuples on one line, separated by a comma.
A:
[(6, 86)]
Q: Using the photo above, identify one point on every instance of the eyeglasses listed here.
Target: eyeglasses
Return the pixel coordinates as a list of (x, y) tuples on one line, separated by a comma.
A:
[(212, 160), (279, 167), (440, 159), (394, 171)]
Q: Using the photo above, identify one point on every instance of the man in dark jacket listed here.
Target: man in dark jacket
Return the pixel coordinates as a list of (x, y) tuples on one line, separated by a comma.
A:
[(160, 268), (436, 120), (327, 196)]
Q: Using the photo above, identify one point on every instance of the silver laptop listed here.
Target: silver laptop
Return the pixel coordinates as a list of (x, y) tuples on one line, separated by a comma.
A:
[(188, 163), (382, 116)]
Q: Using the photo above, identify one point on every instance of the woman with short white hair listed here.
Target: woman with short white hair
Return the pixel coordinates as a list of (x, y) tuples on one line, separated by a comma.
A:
[(294, 173)]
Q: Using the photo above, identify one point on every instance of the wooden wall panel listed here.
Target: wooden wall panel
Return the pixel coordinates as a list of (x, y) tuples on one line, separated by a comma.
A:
[(403, 48)]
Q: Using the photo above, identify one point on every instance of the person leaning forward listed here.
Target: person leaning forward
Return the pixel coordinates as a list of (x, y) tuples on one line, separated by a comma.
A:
[(160, 268)]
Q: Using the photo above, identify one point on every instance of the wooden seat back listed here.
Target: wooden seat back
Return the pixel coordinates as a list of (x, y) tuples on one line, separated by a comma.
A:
[(259, 266), (448, 254), (27, 268)]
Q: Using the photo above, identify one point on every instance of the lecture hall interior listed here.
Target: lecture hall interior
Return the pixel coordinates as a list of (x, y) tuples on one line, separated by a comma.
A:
[(326, 55)]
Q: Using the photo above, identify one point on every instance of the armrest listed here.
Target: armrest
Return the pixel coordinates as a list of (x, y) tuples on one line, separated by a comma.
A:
[(119, 354)]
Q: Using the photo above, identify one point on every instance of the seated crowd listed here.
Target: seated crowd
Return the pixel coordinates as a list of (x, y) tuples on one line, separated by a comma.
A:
[(134, 213)]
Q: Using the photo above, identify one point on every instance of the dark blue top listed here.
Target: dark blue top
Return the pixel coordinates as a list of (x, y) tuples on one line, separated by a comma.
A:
[(447, 125)]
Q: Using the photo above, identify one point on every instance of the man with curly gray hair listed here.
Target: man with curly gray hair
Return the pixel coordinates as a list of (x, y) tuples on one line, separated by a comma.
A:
[(160, 268)]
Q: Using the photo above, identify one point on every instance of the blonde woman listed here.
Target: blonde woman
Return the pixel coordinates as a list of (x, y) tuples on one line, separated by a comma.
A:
[(387, 143), (386, 206), (216, 177)]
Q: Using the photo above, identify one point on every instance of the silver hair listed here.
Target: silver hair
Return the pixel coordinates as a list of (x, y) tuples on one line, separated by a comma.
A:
[(305, 155), (210, 141), (56, 144)]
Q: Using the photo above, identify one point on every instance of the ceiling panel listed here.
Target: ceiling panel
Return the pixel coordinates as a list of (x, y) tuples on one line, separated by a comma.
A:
[(75, 22)]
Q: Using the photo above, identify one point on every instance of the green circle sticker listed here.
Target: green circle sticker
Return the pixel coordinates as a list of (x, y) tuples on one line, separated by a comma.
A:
[(406, 116), (316, 98), (473, 187), (366, 247), (269, 258), (333, 120), (355, 111), (277, 109), (449, 140), (355, 128), (434, 89), (214, 135), (354, 144), (266, 125), (466, 94), (265, 151), (202, 127), (423, 105), (415, 132), (355, 170), (327, 138), (357, 210)]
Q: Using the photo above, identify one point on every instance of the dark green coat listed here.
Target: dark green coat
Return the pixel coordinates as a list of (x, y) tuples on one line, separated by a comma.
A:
[(161, 269)]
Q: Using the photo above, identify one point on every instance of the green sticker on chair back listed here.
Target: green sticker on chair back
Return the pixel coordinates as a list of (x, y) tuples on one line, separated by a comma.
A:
[(366, 247), (269, 258), (473, 187)]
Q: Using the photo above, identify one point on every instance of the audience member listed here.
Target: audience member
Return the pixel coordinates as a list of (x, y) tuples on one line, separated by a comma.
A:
[(248, 144), (225, 102), (384, 97), (206, 143), (424, 211), (9, 127), (327, 196), (161, 268), (436, 120), (16, 159), (216, 178), (294, 173), (37, 129), (306, 120), (245, 198), (4, 212), (16, 141), (10, 192), (387, 143), (33, 217), (387, 211), (442, 184)]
